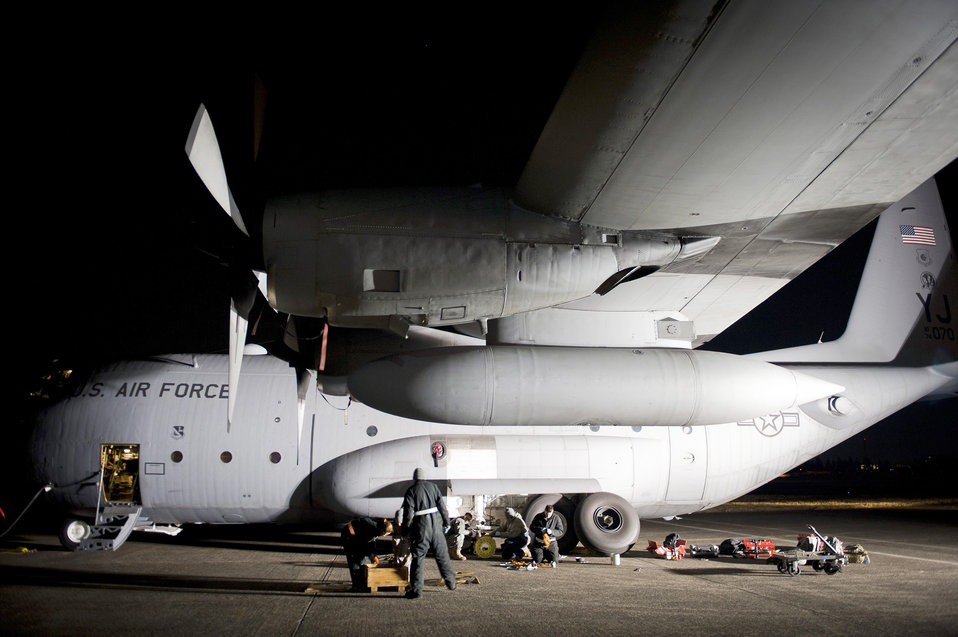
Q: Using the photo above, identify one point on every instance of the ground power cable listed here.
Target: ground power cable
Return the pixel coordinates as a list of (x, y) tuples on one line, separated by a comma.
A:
[(44, 489)]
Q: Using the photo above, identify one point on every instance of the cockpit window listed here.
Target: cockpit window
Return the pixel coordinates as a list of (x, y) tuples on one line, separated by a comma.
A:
[(57, 384)]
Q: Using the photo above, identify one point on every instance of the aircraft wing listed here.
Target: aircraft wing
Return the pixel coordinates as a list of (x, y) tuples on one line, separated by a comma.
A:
[(783, 127)]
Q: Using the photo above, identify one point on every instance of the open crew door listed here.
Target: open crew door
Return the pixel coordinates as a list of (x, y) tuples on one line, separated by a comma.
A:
[(120, 471), (119, 509)]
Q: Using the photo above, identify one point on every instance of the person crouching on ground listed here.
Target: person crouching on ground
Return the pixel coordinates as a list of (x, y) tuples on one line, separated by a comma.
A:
[(545, 528), (458, 529), (516, 533), (359, 544)]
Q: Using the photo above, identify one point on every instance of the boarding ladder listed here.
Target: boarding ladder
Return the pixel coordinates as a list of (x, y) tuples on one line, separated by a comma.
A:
[(114, 523)]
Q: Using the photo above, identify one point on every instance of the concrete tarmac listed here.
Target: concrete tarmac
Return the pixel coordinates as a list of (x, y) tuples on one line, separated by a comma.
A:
[(254, 581)]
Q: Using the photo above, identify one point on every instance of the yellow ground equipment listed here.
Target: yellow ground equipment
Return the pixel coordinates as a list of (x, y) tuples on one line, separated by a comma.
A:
[(485, 547)]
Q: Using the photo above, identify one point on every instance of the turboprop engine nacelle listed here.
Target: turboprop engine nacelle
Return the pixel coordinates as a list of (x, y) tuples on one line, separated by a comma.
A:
[(574, 386), (444, 257)]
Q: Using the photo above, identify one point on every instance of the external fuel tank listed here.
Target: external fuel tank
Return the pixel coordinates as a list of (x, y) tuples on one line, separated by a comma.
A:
[(574, 386)]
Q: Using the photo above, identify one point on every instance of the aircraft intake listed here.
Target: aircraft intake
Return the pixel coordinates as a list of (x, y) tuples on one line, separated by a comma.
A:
[(501, 385)]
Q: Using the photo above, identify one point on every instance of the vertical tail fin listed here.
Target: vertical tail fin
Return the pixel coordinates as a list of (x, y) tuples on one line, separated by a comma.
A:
[(902, 311)]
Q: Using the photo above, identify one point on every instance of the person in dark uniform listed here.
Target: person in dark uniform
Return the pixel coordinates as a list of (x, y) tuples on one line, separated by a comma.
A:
[(359, 544), (544, 529), (424, 518)]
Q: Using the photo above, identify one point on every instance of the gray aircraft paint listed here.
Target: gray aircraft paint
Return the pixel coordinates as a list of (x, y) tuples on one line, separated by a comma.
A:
[(441, 256), (524, 385), (343, 469), (351, 459)]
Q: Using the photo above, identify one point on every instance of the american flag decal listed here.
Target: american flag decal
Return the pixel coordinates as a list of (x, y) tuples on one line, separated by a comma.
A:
[(918, 235)]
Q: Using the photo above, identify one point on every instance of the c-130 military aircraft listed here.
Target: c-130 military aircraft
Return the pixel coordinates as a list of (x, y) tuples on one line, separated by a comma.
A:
[(543, 340), (143, 443)]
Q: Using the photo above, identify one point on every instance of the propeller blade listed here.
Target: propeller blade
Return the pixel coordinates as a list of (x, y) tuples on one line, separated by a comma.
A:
[(247, 286), (237, 345), (290, 337), (246, 290), (303, 379), (204, 153), (261, 283)]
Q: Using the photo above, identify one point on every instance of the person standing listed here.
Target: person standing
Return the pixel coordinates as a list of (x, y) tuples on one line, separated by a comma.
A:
[(424, 518)]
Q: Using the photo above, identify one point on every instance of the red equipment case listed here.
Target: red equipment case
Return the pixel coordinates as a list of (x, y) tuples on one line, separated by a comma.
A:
[(756, 548)]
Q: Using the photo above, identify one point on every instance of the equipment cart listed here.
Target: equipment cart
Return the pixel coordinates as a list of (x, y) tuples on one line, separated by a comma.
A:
[(815, 550)]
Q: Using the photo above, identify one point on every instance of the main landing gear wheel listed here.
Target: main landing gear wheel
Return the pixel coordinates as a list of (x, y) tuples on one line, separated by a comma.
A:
[(606, 523), (73, 532), (564, 509)]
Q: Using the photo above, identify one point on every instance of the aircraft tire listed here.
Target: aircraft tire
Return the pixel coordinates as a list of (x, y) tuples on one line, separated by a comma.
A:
[(564, 508), (73, 532), (606, 523)]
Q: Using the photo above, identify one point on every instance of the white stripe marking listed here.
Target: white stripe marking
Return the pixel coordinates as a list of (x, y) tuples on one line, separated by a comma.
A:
[(912, 557)]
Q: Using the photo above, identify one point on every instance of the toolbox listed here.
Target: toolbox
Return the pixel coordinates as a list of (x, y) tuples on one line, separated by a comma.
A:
[(674, 551), (386, 577), (756, 548)]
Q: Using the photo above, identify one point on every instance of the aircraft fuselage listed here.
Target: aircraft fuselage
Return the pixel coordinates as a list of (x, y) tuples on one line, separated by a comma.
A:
[(352, 460)]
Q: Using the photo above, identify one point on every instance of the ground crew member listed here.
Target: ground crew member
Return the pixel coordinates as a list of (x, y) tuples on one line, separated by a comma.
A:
[(458, 529), (359, 544), (545, 528), (516, 533), (424, 518)]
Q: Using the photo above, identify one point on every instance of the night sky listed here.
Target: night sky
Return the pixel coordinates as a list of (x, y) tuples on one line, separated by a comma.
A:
[(118, 230)]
